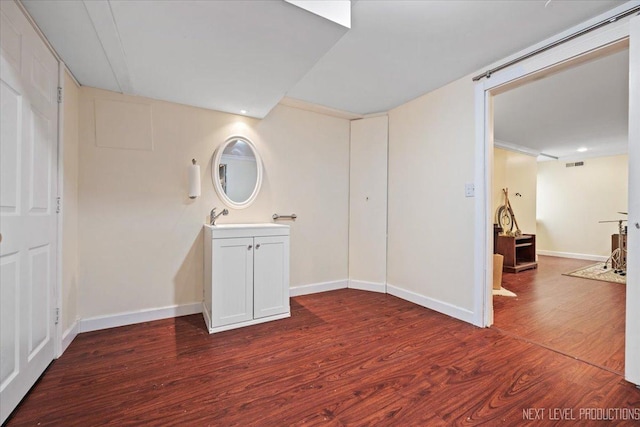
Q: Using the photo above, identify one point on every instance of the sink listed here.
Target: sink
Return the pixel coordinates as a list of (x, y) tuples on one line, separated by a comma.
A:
[(236, 226), (241, 230)]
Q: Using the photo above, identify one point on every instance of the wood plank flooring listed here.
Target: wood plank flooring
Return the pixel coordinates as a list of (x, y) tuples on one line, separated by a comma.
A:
[(579, 317), (345, 357)]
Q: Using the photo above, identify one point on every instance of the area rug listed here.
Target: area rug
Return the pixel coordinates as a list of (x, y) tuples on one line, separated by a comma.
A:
[(597, 272), (504, 292)]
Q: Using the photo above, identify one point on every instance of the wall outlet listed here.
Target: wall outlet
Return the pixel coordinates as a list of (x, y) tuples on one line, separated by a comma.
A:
[(469, 190)]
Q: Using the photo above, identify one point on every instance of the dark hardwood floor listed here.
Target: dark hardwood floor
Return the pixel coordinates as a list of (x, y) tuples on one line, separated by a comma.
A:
[(345, 357), (582, 318)]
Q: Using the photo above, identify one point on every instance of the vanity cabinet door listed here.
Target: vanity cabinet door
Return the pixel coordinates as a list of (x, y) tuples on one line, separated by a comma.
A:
[(271, 278), (232, 281)]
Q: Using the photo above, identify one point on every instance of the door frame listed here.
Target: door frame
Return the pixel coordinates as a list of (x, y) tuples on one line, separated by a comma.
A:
[(632, 331), (58, 298), (615, 36)]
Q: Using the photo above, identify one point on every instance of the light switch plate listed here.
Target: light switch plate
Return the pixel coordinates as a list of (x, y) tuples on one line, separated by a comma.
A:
[(469, 190)]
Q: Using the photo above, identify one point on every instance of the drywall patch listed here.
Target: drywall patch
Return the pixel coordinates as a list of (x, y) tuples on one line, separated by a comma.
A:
[(124, 125)]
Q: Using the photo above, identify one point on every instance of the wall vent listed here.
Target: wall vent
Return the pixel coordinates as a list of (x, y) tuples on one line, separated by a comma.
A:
[(570, 165)]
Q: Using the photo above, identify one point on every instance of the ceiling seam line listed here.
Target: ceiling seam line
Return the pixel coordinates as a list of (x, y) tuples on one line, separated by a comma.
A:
[(124, 52), (104, 50)]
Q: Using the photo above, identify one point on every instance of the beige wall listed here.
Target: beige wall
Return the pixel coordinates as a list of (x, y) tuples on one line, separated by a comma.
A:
[(368, 202), (70, 204), (572, 200), (499, 179), (517, 172), (431, 222), (141, 240)]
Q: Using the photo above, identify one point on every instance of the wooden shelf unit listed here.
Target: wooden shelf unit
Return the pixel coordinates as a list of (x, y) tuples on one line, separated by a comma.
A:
[(519, 252)]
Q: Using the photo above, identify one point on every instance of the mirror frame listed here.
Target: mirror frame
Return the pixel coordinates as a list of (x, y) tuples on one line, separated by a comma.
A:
[(215, 177)]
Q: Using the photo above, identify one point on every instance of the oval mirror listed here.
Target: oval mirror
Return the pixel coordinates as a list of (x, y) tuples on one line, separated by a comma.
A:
[(236, 171)]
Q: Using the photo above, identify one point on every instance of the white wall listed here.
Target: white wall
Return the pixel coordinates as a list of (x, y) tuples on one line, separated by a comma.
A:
[(572, 200), (141, 240), (431, 222), (368, 204), (516, 172), (70, 204)]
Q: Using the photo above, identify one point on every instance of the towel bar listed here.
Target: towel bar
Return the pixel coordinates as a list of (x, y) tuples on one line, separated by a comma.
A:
[(277, 217)]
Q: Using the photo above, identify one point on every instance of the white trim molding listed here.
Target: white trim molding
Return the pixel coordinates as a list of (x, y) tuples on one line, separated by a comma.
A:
[(368, 286), (59, 303), (139, 316), (573, 255), (432, 304), (69, 335), (516, 148), (314, 108), (315, 288)]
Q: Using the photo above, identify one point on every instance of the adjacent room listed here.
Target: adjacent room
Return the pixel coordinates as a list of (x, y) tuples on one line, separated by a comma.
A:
[(561, 152), (281, 212)]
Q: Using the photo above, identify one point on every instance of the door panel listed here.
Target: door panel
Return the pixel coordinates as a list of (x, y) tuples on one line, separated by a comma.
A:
[(41, 81), (232, 281), (40, 171), (271, 278), (29, 118), (39, 297), (10, 147), (10, 279), (11, 42)]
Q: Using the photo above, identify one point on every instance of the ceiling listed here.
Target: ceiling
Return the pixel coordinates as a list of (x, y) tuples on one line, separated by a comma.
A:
[(581, 107), (230, 56), (399, 50), (240, 55)]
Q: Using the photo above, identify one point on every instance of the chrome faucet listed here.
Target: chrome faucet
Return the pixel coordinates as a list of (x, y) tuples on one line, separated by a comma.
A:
[(214, 216)]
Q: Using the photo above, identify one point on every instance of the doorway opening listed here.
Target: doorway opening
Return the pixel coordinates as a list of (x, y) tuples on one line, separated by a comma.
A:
[(560, 148), (622, 35)]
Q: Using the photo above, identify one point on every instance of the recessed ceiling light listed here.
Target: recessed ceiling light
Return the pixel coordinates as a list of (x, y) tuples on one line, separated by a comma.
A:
[(243, 111), (582, 149)]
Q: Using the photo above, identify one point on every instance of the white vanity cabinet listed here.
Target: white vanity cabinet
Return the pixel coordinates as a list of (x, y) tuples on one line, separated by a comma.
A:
[(246, 275)]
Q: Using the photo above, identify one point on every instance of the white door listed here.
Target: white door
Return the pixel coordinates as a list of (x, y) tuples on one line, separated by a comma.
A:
[(28, 189), (232, 281), (632, 345), (271, 278)]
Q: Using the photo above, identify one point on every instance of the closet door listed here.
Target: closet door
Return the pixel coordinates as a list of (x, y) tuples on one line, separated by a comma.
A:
[(28, 223)]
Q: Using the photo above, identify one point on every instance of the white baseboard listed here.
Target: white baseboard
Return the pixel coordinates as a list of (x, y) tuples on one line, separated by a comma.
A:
[(69, 335), (133, 317), (314, 288), (433, 304), (574, 256), (368, 286)]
